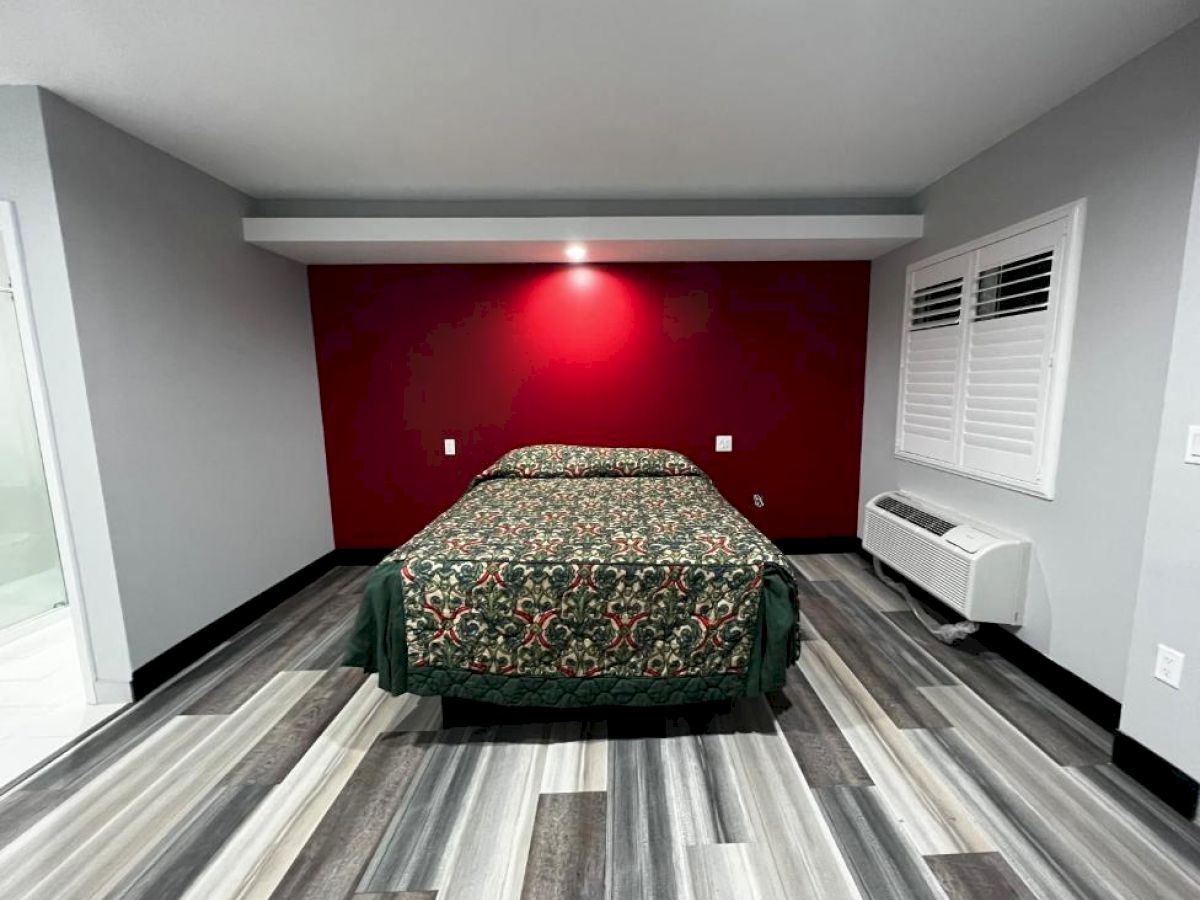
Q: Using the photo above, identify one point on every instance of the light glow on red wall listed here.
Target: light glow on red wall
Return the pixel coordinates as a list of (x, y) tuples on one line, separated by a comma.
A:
[(665, 355), (581, 316)]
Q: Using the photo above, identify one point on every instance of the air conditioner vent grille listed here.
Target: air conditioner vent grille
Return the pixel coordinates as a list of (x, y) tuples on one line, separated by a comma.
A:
[(918, 517), (943, 574)]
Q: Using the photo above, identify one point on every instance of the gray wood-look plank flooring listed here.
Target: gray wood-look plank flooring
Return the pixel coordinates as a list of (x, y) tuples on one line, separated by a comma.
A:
[(567, 853), (889, 766)]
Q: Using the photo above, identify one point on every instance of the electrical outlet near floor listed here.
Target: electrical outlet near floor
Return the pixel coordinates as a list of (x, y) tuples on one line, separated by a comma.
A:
[(450, 446), (724, 443), (1168, 665)]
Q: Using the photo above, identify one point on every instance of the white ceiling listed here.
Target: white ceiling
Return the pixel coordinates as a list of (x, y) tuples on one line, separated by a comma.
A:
[(574, 98)]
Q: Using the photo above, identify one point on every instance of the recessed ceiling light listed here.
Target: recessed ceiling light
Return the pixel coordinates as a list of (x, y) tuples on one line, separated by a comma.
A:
[(575, 252)]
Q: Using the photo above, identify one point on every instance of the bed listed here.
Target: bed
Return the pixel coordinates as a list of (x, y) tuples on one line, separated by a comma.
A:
[(582, 576)]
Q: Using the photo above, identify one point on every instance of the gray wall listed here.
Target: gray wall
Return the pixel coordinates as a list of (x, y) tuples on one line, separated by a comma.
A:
[(1129, 145), (1168, 608), (25, 180), (198, 357)]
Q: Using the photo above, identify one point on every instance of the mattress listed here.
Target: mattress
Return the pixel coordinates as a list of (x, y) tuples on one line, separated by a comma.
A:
[(579, 576)]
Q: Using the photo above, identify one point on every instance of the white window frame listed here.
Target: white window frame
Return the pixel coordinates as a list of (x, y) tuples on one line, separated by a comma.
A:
[(1044, 483)]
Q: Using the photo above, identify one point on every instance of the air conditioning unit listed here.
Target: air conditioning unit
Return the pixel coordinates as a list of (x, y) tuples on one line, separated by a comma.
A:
[(977, 570)]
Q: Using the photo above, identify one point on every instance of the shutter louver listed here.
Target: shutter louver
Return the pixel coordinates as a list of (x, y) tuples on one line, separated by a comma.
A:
[(1009, 346), (931, 364)]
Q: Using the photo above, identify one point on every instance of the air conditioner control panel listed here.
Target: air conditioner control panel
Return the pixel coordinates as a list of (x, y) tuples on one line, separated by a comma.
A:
[(968, 539)]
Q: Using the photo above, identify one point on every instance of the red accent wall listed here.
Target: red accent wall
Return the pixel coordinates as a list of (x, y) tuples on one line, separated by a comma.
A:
[(663, 355)]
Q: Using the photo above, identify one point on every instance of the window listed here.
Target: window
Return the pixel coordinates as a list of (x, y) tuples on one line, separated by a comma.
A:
[(986, 342)]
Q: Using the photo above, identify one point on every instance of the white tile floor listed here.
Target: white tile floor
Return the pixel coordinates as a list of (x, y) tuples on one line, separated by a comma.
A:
[(42, 706)]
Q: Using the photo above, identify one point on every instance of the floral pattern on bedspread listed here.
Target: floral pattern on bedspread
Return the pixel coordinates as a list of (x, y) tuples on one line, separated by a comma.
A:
[(541, 570)]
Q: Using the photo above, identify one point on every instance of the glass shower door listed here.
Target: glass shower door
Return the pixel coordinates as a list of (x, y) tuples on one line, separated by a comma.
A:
[(31, 580)]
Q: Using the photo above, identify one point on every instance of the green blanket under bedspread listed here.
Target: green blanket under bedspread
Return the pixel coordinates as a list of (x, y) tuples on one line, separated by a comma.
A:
[(577, 576)]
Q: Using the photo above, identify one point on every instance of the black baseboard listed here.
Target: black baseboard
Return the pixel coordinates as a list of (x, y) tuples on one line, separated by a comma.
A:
[(837, 544), (1175, 788), (169, 663), (1089, 700)]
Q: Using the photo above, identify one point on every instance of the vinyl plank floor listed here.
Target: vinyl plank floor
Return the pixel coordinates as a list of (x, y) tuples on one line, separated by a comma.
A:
[(185, 851), (853, 572), (258, 855), (784, 813), (888, 765), (444, 835), (20, 809), (891, 670), (272, 758), (97, 835), (491, 863), (932, 816), (884, 863), (1040, 850), (33, 856), (814, 567), (285, 648), (138, 721), (336, 854), (1061, 731), (808, 631), (1108, 844), (821, 749), (141, 720), (425, 826), (667, 794), (567, 850), (576, 758), (1127, 799), (862, 622), (978, 876), (734, 872)]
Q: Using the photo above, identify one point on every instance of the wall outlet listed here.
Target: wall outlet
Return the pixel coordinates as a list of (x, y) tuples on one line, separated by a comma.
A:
[(1168, 665), (450, 445), (724, 443), (759, 503)]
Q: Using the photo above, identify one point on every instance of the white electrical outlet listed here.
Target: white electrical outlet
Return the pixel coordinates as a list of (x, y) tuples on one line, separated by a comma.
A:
[(450, 445), (724, 443), (1168, 665)]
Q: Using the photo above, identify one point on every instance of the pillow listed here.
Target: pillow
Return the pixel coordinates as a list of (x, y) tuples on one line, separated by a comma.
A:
[(569, 461)]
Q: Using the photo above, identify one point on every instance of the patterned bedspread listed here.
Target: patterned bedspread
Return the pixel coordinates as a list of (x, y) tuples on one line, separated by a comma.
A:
[(579, 575)]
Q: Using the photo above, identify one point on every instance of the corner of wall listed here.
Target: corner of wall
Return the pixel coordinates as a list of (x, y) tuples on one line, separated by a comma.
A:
[(1165, 719)]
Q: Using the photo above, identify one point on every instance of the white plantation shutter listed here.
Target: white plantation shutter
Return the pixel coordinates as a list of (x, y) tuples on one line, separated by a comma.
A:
[(932, 361), (983, 363), (1010, 348)]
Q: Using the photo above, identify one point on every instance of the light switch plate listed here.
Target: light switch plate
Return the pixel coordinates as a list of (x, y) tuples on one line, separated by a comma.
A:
[(451, 446), (724, 443), (1168, 665), (1192, 453)]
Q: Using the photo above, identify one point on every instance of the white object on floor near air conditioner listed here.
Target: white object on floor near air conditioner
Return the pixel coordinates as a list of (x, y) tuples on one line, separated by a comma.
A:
[(975, 569)]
